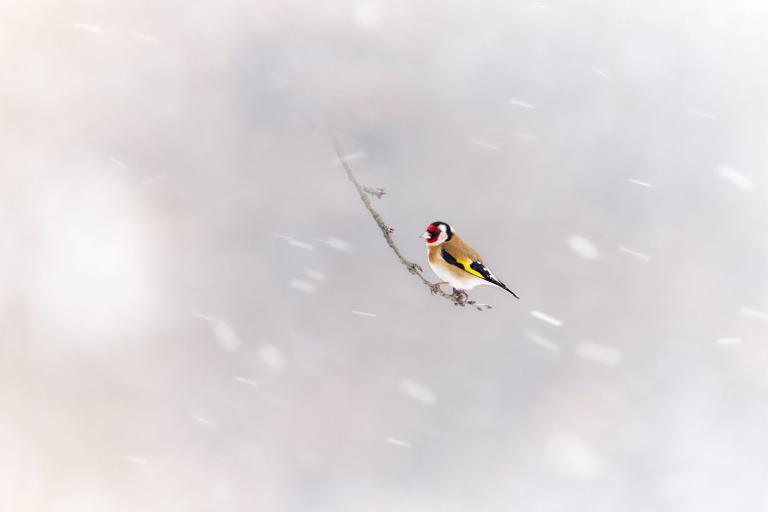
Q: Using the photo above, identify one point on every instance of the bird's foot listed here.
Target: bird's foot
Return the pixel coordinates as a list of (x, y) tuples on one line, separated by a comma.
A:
[(435, 288), (461, 298)]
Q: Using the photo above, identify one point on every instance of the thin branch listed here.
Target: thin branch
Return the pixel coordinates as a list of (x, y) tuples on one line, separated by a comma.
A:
[(363, 191)]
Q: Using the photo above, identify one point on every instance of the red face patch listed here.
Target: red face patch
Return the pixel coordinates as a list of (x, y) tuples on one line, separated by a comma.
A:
[(434, 233)]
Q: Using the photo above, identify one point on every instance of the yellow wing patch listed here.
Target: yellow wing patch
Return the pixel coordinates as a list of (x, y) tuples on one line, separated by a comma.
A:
[(466, 263)]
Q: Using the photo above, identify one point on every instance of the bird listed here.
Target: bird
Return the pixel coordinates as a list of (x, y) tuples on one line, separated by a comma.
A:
[(456, 263)]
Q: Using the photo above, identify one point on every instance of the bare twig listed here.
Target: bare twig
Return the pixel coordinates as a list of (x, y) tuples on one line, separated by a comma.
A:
[(387, 231)]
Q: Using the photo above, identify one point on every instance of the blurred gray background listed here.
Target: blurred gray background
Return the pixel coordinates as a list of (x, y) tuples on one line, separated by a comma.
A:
[(197, 313)]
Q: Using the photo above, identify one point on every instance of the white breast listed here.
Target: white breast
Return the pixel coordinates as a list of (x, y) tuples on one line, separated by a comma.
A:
[(462, 283)]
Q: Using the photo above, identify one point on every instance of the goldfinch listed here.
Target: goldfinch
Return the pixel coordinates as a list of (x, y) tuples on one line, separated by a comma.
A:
[(456, 263)]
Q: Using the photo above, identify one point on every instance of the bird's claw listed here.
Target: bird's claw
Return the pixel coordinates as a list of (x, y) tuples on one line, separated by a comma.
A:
[(461, 298)]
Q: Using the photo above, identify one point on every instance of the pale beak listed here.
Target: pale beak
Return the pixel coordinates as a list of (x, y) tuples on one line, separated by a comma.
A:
[(426, 236)]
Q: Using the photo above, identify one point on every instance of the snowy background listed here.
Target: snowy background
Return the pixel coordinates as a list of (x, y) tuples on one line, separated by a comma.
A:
[(197, 313)]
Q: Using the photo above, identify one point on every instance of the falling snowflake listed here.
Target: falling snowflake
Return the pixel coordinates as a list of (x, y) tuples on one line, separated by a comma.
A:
[(301, 285), (598, 353), (315, 274), (398, 442), (541, 341), (301, 245), (523, 104), (546, 318), (417, 392), (735, 177), (272, 357), (583, 247)]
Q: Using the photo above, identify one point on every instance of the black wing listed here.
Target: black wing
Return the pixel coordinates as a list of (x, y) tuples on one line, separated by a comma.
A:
[(475, 268)]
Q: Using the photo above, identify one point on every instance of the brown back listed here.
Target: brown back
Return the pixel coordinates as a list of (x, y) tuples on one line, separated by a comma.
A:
[(460, 249)]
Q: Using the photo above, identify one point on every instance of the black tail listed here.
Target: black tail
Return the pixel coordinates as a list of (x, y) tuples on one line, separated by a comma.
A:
[(502, 285), (510, 291)]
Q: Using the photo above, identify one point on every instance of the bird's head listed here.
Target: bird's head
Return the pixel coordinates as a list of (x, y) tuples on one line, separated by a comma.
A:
[(437, 233)]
